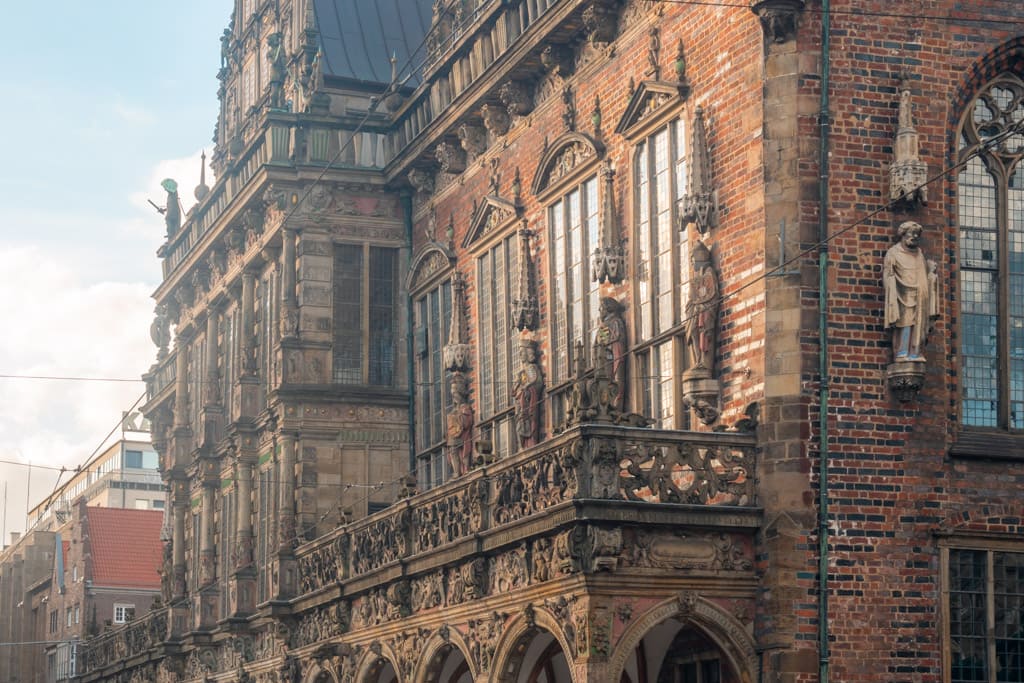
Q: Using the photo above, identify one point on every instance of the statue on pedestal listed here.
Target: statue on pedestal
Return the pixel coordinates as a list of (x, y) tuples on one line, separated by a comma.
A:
[(701, 327), (610, 339), (911, 293)]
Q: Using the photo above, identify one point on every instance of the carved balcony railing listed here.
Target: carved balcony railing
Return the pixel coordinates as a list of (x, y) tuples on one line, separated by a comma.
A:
[(124, 642), (460, 51), (597, 465), (161, 376)]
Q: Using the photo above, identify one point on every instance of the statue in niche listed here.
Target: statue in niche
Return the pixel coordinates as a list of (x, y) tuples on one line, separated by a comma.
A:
[(911, 293), (526, 393), (610, 339), (460, 426), (701, 326), (172, 210)]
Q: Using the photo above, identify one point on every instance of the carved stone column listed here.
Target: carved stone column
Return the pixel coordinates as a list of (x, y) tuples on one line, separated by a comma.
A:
[(213, 413), (284, 561), (242, 584), (180, 507), (180, 384), (207, 553), (248, 339), (289, 307)]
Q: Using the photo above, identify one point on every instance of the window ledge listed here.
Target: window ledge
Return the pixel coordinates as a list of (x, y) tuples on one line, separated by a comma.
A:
[(996, 445)]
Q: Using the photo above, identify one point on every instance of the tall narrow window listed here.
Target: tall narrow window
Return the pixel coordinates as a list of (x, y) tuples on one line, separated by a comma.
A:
[(574, 234), (383, 291), (990, 194), (497, 273), (432, 313), (662, 268), (365, 314)]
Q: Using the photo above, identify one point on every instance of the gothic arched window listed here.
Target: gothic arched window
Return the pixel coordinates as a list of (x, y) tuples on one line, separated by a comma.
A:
[(990, 194)]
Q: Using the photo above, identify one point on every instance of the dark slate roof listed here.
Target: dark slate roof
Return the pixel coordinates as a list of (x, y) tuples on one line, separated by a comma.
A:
[(358, 37)]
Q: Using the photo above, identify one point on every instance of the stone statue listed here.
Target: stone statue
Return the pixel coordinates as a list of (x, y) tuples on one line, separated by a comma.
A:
[(171, 212), (225, 49), (278, 69), (526, 393), (911, 293), (460, 426), (701, 326), (160, 330), (610, 336)]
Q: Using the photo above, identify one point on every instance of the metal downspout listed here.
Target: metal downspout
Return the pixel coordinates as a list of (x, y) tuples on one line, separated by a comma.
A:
[(824, 123), (406, 200)]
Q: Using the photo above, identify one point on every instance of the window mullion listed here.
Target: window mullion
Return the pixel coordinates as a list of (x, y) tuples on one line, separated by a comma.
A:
[(1003, 293)]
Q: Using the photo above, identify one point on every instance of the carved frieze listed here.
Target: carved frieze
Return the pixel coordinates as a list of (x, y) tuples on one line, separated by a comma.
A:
[(686, 473), (528, 488), (483, 639), (563, 157), (381, 542), (449, 519), (467, 581), (427, 591), (324, 566), (509, 571)]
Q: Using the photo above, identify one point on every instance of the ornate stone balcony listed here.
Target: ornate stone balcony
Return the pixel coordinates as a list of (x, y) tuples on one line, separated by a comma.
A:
[(587, 475), (117, 646), (160, 377)]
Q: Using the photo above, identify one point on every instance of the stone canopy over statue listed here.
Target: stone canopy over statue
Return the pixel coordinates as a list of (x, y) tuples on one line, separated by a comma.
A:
[(911, 294)]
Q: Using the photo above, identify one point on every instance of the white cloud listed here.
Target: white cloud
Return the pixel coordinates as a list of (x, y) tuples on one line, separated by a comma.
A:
[(58, 324)]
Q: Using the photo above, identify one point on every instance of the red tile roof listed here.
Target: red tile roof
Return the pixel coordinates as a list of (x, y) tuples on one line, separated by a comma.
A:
[(126, 547)]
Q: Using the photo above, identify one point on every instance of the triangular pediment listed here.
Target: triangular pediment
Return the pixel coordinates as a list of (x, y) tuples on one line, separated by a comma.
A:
[(648, 99), (491, 213)]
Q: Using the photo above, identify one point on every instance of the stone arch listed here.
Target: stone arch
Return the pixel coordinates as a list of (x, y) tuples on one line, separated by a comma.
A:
[(433, 259), (508, 654), (438, 644), (316, 673), (1008, 57), (376, 658), (996, 518), (724, 630), (562, 160)]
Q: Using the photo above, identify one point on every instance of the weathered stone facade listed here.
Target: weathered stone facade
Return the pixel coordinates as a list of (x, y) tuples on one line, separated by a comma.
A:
[(544, 185)]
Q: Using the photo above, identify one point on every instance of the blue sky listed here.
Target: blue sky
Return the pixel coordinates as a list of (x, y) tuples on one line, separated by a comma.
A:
[(102, 100)]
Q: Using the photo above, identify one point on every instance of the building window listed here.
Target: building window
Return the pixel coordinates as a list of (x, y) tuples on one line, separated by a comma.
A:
[(573, 223), (133, 459), (662, 268), (364, 348), (991, 215), (158, 504), (123, 613), (78, 614), (68, 615), (432, 311), (53, 621), (986, 615), (497, 274)]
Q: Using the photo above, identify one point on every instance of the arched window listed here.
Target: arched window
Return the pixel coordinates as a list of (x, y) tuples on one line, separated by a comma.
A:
[(990, 194)]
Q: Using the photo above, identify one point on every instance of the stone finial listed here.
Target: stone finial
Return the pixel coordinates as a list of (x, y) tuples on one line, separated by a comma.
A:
[(908, 176), (524, 306), (700, 203), (457, 351), (609, 258), (202, 189)]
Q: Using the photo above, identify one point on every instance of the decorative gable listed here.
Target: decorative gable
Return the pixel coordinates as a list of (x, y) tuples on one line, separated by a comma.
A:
[(647, 101), (491, 213), (434, 259), (563, 159)]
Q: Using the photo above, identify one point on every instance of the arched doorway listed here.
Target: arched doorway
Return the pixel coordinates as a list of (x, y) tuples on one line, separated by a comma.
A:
[(673, 652), (448, 665), (537, 657)]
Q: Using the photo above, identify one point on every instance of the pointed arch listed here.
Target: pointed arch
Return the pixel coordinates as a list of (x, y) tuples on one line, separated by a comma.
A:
[(440, 643), (508, 654), (316, 671), (724, 630), (376, 657)]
